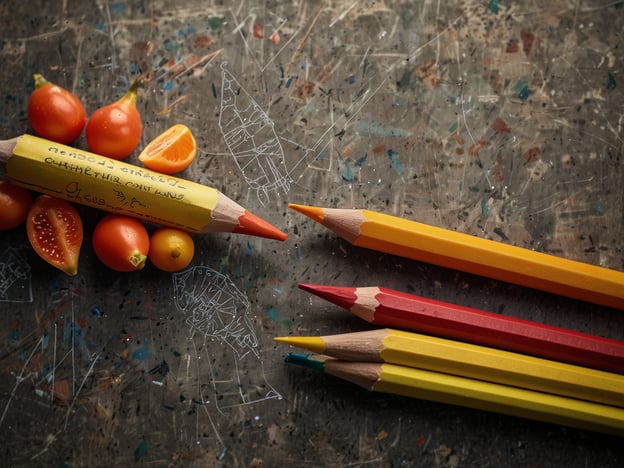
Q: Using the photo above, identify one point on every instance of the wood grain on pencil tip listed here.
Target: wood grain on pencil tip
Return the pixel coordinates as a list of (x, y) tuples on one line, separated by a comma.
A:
[(471, 393), (467, 360), (450, 249), (395, 309)]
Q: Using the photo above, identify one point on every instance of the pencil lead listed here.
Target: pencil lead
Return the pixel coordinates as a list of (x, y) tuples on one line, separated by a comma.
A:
[(341, 296), (311, 212), (305, 360), (311, 343), (254, 226)]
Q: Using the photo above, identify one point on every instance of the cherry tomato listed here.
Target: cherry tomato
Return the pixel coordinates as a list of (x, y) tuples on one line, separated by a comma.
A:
[(171, 249), (54, 112), (55, 231), (115, 130), (15, 202), (121, 243)]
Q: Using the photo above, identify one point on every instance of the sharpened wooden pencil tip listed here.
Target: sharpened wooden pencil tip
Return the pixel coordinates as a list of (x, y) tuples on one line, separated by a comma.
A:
[(341, 296), (311, 212), (311, 343)]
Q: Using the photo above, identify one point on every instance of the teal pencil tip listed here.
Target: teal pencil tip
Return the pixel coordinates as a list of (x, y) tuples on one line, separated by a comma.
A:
[(305, 360)]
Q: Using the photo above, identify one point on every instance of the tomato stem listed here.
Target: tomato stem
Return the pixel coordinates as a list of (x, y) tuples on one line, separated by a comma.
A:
[(131, 95), (40, 80), (138, 259)]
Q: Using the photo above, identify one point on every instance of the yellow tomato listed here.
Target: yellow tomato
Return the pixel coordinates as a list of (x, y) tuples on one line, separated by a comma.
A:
[(171, 249)]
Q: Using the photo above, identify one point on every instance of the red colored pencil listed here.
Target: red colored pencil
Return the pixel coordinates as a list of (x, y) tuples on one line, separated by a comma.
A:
[(389, 308)]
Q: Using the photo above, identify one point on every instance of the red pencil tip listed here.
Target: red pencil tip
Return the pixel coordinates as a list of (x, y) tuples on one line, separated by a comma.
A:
[(341, 296), (252, 225), (311, 212)]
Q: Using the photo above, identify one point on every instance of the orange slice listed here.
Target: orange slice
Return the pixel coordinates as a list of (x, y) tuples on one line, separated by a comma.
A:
[(171, 151)]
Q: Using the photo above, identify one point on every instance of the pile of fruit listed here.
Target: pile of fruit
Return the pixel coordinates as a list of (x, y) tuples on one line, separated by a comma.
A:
[(54, 226)]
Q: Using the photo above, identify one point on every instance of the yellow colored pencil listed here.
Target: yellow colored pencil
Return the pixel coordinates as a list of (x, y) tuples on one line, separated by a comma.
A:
[(107, 184), (397, 236), (472, 393), (468, 360)]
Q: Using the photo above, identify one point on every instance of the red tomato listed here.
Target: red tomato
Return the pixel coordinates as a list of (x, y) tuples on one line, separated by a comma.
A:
[(115, 130), (15, 202), (121, 243), (54, 230), (54, 112)]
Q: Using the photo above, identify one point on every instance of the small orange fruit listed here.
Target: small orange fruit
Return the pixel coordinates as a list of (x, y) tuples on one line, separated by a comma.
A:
[(171, 249), (171, 151)]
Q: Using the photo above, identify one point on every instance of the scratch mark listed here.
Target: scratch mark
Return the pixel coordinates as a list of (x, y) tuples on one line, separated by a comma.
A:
[(342, 15), (303, 40), (75, 396), (19, 379)]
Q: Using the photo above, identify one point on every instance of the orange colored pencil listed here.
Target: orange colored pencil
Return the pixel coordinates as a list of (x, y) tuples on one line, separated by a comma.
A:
[(409, 239)]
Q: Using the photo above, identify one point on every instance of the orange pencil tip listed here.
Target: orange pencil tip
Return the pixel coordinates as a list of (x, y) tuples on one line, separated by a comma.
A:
[(311, 212), (252, 225)]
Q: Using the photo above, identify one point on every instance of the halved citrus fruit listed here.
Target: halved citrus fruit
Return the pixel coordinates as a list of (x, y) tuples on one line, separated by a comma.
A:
[(171, 151)]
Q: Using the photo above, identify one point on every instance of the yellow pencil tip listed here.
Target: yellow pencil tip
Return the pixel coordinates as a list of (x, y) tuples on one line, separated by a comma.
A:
[(311, 212), (311, 343)]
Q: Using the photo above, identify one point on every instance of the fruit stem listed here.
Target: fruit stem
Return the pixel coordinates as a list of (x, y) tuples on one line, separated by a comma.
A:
[(40, 80), (131, 95), (137, 260)]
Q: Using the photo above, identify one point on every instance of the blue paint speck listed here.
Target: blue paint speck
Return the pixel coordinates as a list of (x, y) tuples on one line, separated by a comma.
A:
[(374, 128), (100, 27), (273, 314), (14, 335), (396, 161), (249, 249), (350, 79), (323, 154), (168, 85), (221, 455), (289, 82), (485, 209), (360, 162), (141, 450), (143, 352), (215, 22), (611, 84), (72, 331), (347, 172), (97, 311), (118, 7), (522, 90), (494, 6)]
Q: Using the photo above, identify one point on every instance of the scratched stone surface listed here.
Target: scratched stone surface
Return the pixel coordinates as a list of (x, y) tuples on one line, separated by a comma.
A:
[(495, 118)]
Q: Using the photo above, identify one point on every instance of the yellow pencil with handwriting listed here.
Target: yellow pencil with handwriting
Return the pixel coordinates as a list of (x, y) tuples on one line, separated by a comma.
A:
[(89, 179)]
